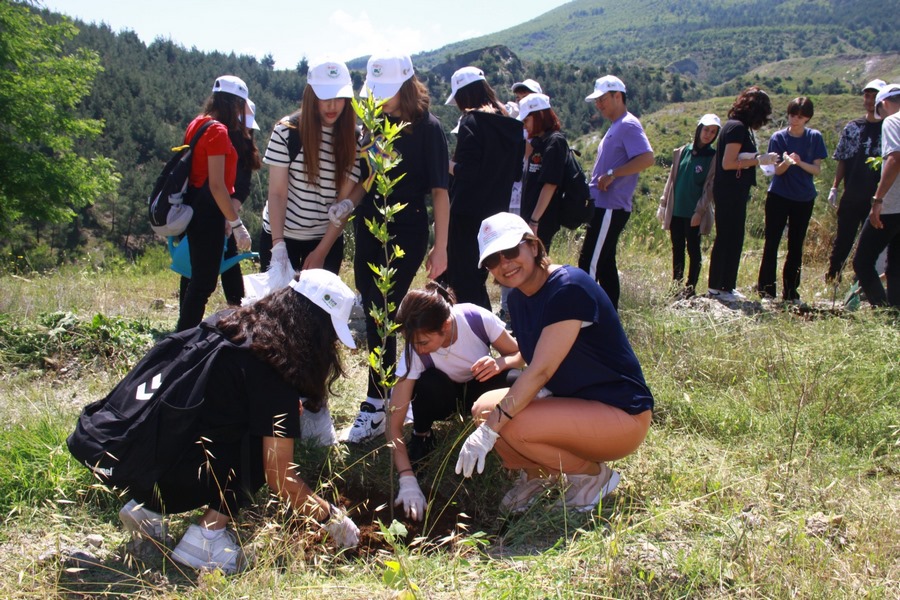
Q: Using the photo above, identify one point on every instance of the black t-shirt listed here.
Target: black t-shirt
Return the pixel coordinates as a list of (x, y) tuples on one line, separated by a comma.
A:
[(547, 164), (860, 140), (731, 184)]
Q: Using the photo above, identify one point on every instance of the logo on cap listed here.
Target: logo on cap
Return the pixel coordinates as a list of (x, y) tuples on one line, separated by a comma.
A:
[(327, 299), (377, 70), (333, 71)]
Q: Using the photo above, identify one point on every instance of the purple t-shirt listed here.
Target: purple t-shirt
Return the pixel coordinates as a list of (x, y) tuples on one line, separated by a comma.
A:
[(624, 140)]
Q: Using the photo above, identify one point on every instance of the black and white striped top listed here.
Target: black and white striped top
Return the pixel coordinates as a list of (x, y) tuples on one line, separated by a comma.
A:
[(306, 217)]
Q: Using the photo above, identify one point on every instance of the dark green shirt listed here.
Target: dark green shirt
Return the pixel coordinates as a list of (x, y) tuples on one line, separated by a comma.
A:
[(692, 173)]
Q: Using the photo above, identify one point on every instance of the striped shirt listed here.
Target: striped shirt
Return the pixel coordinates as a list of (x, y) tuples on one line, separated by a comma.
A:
[(306, 217)]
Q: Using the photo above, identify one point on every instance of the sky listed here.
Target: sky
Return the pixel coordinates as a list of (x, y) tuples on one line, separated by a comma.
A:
[(290, 30)]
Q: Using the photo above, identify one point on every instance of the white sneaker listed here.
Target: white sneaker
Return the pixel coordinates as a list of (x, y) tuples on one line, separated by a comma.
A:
[(197, 552), (584, 492), (721, 295), (370, 423), (736, 295), (142, 522), (523, 494), (318, 428)]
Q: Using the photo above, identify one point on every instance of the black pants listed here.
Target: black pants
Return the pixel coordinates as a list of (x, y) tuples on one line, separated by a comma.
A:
[(463, 273), (725, 258), (598, 254), (781, 211), (436, 396), (682, 235), (412, 236), (206, 233), (851, 215), (232, 279), (298, 250), (871, 244)]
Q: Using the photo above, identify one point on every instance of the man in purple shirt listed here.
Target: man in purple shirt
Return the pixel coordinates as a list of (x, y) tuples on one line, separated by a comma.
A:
[(623, 153)]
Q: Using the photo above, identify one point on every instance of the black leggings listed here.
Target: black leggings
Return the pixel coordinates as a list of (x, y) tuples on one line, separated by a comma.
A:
[(725, 258), (436, 396), (463, 273), (232, 279), (598, 254), (683, 234), (298, 250), (781, 211), (206, 233), (852, 213)]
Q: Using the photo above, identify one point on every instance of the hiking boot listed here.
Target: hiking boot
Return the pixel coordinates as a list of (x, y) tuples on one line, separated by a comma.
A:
[(318, 428), (584, 492), (143, 523), (418, 447), (525, 492), (369, 423), (197, 552)]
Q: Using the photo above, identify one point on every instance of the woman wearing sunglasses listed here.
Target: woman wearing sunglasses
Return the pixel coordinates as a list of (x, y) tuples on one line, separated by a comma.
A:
[(581, 402)]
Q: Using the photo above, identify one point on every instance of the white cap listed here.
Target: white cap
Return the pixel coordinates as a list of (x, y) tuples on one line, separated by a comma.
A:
[(530, 84), (461, 79), (328, 292), (710, 119), (875, 84), (891, 90), (500, 232), (231, 85), (250, 116), (607, 83), (385, 74), (330, 79), (532, 103)]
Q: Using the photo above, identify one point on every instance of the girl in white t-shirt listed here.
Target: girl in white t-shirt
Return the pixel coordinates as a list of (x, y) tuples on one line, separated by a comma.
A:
[(445, 366)]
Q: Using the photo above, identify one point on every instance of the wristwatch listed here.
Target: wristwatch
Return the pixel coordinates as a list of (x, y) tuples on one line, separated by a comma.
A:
[(610, 173), (876, 200)]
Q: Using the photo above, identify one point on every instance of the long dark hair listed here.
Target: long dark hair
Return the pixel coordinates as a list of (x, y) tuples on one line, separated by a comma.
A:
[(752, 107), (343, 137), (227, 109), (424, 311), (248, 154), (478, 95), (413, 99), (293, 336)]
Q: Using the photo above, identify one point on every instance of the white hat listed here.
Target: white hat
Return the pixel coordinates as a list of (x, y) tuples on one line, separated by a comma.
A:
[(529, 84), (532, 103), (250, 116), (231, 85), (500, 232), (710, 119), (890, 90), (385, 74), (607, 83), (330, 79), (328, 292), (875, 84), (461, 79)]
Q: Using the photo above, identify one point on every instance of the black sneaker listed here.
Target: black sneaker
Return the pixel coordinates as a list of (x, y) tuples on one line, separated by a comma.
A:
[(418, 448)]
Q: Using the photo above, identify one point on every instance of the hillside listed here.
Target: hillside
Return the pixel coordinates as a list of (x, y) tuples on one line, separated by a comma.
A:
[(710, 40)]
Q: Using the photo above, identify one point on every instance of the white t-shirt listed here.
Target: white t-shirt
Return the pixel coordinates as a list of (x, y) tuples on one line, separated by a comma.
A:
[(890, 143), (456, 361), (306, 217)]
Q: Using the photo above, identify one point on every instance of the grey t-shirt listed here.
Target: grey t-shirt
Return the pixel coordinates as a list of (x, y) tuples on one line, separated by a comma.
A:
[(890, 143)]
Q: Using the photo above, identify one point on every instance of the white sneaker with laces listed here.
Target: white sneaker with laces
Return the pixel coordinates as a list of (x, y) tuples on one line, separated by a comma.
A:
[(142, 522), (318, 428), (369, 423), (584, 492), (523, 494), (197, 552)]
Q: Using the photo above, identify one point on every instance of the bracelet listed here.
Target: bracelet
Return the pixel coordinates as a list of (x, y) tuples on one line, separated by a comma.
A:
[(333, 511), (281, 239), (406, 471), (504, 413), (535, 221), (236, 223), (877, 200)]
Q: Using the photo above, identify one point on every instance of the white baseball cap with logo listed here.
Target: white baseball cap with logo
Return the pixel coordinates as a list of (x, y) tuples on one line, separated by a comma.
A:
[(529, 84), (710, 119), (500, 232), (328, 292), (231, 85), (532, 103), (330, 79), (385, 73), (874, 85), (607, 83), (461, 78), (892, 91)]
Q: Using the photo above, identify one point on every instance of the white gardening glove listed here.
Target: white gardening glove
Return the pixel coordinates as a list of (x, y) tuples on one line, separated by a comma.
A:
[(474, 449), (241, 235), (769, 158), (342, 528), (338, 211), (412, 498), (280, 270), (832, 197), (661, 214)]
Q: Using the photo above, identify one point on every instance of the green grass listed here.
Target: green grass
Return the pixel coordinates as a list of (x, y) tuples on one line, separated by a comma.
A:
[(771, 469)]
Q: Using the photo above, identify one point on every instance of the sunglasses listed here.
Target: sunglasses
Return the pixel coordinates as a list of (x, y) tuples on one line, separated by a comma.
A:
[(491, 261)]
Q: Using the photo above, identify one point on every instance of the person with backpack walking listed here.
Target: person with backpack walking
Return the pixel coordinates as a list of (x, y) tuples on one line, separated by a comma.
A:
[(312, 166), (581, 402), (242, 432), (486, 162), (446, 364), (545, 171), (686, 205), (210, 186), (792, 193), (422, 145)]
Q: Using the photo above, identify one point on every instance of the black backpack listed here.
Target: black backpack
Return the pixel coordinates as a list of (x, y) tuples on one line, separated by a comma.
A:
[(141, 428), (169, 216), (295, 144), (576, 207)]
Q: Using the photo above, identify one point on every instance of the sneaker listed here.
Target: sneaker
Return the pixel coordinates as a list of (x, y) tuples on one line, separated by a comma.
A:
[(721, 295), (525, 492), (736, 295), (370, 423), (584, 492), (143, 523), (418, 447), (197, 552), (318, 428)]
